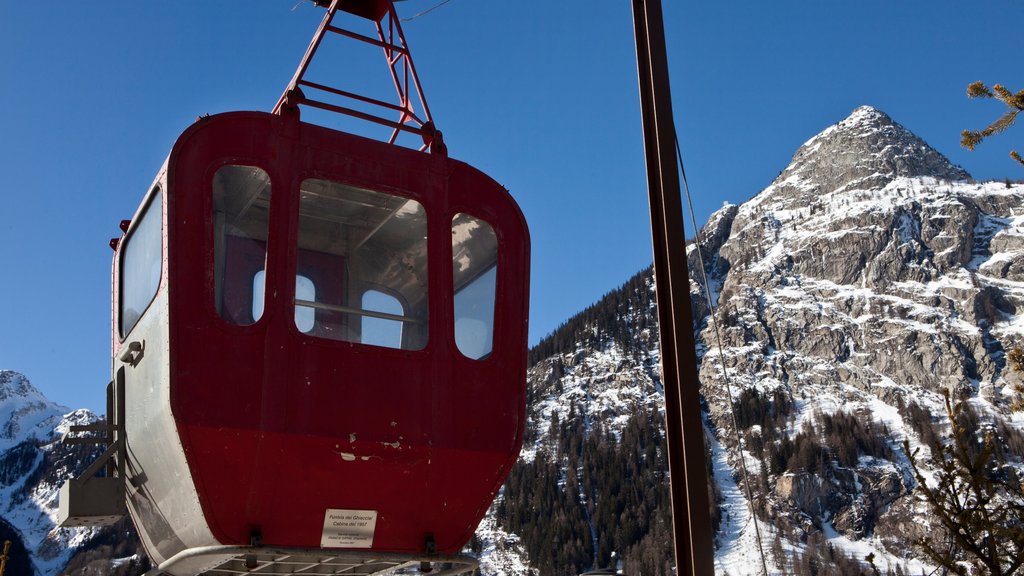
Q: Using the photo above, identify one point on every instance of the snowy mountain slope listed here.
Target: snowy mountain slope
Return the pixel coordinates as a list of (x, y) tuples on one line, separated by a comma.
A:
[(868, 278), (866, 292), (33, 465), (24, 412)]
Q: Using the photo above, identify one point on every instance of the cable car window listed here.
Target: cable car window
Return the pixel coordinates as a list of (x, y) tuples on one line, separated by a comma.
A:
[(241, 209), (379, 329), (304, 289), (141, 261), (474, 265), (351, 241), (305, 318)]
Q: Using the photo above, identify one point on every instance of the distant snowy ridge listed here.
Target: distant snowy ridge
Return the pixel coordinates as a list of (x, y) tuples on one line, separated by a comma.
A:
[(24, 412), (33, 466)]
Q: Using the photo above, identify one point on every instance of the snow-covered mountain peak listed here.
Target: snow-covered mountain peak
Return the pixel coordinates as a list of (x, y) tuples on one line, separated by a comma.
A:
[(865, 151), (867, 112), (867, 117), (24, 412), (33, 465), (15, 385)]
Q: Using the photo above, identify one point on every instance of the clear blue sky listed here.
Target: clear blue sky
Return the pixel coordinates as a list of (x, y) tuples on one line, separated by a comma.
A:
[(541, 95)]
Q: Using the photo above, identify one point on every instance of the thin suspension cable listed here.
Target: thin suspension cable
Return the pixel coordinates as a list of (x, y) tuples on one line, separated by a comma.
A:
[(721, 355), (427, 11)]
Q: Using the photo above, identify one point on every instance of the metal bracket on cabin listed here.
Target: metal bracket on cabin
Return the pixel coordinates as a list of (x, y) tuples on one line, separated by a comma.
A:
[(133, 353), (92, 500), (391, 39)]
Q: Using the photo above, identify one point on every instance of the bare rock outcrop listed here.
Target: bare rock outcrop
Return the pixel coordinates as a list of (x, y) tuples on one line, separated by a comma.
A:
[(871, 274)]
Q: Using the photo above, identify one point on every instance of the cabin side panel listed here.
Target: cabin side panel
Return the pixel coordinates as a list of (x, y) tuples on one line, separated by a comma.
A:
[(160, 492)]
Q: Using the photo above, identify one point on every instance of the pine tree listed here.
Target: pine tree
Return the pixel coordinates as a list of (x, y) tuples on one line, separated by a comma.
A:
[(977, 498), (1013, 101)]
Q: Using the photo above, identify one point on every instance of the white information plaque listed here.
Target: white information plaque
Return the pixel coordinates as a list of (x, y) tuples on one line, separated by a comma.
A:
[(348, 528)]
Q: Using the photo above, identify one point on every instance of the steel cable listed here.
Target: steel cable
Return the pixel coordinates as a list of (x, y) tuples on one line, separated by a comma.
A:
[(721, 352)]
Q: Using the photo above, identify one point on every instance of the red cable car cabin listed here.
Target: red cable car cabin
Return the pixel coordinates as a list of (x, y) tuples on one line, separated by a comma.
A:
[(321, 339)]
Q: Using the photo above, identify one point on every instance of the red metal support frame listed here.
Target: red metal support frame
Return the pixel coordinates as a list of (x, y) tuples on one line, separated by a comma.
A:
[(684, 426), (391, 39)]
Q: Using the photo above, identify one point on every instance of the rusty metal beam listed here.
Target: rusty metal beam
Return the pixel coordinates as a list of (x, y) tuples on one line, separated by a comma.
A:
[(684, 429)]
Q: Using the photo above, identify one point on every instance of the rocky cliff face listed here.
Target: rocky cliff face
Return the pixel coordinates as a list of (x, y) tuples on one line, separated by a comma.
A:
[(871, 276), (33, 465), (865, 151), (868, 278), (25, 414), (889, 271)]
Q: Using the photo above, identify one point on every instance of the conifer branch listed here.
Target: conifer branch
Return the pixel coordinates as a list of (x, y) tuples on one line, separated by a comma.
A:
[(1013, 101), (977, 498), (978, 90), (1016, 355), (1002, 123), (1004, 95), (969, 139)]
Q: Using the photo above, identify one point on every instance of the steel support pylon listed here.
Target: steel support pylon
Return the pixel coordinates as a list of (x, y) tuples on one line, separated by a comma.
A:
[(391, 39), (684, 428)]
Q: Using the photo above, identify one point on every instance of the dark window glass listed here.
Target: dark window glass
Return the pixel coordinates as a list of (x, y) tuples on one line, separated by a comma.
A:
[(141, 261)]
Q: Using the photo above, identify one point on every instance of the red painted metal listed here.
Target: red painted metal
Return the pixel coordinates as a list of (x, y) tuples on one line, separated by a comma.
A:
[(278, 426), (242, 428), (369, 9), (391, 39)]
